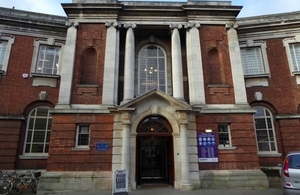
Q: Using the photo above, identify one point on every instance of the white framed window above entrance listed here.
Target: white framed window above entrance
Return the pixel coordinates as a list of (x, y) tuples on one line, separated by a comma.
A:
[(152, 72)]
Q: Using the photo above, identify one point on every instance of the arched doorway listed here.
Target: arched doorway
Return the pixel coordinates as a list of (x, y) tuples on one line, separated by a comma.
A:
[(155, 161)]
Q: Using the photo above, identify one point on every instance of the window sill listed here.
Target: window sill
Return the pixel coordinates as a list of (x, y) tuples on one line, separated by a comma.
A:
[(44, 80), (45, 75), (81, 149), (257, 76), (33, 156), (221, 147), (269, 155)]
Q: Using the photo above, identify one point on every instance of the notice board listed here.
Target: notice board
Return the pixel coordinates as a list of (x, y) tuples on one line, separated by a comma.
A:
[(207, 147)]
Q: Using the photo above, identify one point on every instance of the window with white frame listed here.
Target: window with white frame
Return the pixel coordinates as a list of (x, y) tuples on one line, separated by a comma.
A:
[(5, 48), (264, 130), (46, 58), (151, 69), (254, 58), (295, 56), (292, 46), (38, 131), (224, 135), (82, 136)]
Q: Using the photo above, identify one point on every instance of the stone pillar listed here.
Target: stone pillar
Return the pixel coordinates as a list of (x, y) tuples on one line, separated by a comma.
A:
[(126, 141), (194, 65), (111, 65), (177, 76), (67, 67), (184, 157), (129, 64), (236, 65)]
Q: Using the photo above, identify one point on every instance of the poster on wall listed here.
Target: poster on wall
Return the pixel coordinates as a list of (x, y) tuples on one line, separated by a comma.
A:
[(207, 147)]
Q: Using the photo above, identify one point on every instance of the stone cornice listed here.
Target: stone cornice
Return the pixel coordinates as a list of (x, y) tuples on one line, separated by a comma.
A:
[(269, 23), (31, 19)]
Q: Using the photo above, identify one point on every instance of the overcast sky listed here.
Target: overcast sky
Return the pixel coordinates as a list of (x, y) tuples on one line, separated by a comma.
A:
[(250, 7)]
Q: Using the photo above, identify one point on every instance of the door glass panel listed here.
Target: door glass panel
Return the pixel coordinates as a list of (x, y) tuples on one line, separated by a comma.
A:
[(154, 160)]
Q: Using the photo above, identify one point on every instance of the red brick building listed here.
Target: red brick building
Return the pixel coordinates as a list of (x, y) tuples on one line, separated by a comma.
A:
[(135, 85)]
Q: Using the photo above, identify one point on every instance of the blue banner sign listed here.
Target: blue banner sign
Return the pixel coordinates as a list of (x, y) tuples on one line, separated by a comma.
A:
[(207, 147), (102, 146)]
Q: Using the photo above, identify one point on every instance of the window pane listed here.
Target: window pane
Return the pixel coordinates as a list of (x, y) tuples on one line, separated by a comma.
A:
[(48, 58), (252, 61), (39, 136), (83, 136), (38, 130), (151, 69), (263, 146), (265, 135), (83, 139), (260, 123), (3, 46), (224, 138), (37, 148), (295, 55)]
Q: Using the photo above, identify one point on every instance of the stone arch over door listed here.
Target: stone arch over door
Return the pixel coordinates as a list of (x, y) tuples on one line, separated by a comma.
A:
[(154, 152)]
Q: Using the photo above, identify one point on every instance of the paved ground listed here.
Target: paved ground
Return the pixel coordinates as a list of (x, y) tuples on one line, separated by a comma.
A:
[(171, 191)]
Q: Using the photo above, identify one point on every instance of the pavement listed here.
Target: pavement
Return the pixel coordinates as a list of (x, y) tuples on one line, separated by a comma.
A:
[(172, 191), (176, 192)]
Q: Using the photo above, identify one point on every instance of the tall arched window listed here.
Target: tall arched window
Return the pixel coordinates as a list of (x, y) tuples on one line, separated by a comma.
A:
[(38, 131), (151, 69), (264, 129)]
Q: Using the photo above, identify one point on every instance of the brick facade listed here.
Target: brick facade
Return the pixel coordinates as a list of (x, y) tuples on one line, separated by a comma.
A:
[(117, 123)]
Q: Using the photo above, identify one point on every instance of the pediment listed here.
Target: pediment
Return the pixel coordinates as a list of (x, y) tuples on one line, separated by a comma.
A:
[(153, 97)]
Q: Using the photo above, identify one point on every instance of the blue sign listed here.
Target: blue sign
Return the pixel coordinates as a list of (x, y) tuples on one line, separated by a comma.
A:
[(102, 146), (207, 147)]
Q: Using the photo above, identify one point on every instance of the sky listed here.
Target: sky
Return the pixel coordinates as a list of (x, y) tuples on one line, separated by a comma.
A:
[(250, 7)]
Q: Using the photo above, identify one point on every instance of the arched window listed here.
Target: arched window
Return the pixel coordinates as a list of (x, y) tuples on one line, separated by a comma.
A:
[(264, 130), (151, 69), (38, 131)]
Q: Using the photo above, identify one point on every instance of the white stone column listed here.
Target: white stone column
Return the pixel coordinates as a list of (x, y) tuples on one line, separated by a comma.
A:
[(126, 141), (111, 65), (194, 65), (236, 65), (129, 64), (184, 151), (177, 76), (67, 67)]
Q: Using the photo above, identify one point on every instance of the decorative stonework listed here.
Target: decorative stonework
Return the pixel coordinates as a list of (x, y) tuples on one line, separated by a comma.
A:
[(190, 25), (113, 24), (173, 26), (75, 24), (231, 25), (129, 25)]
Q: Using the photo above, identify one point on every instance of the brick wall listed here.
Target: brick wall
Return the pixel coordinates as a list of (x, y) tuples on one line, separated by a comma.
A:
[(61, 155), (244, 156), (89, 36), (17, 96), (218, 83)]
